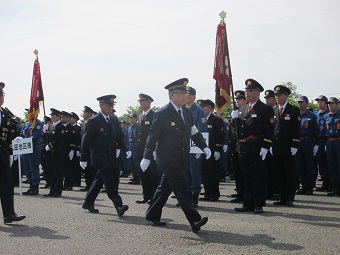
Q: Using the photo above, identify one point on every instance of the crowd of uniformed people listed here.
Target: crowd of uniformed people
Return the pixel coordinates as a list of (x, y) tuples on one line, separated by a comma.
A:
[(273, 150)]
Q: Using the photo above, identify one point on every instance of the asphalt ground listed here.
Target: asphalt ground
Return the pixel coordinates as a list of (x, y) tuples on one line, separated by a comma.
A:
[(61, 226)]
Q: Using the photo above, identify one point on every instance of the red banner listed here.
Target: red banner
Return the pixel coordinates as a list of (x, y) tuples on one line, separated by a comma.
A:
[(37, 94), (222, 70)]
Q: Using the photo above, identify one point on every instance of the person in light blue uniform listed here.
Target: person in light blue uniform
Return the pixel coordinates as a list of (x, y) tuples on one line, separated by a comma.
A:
[(331, 133), (32, 160), (321, 155), (200, 121), (308, 147)]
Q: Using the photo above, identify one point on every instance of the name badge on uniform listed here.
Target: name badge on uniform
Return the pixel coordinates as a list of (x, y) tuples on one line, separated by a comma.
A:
[(147, 122), (172, 123), (101, 129), (209, 126), (287, 118), (254, 115)]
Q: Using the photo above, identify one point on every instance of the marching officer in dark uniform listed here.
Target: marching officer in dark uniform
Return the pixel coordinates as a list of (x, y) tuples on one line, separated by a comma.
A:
[(210, 173), (45, 156), (149, 178), (6, 161), (57, 154), (99, 142), (285, 143), (308, 147), (321, 155), (331, 133), (75, 149), (90, 171), (14, 133), (255, 128), (67, 165), (171, 130)]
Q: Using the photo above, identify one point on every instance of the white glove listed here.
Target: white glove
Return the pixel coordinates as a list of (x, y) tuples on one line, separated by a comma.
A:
[(71, 154), (207, 152), (234, 114), (154, 154), (78, 153), (128, 154), (47, 148), (225, 148), (144, 164), (263, 153), (217, 155), (271, 150), (325, 148), (15, 157), (293, 151), (315, 150), (117, 153), (197, 155), (10, 160), (45, 128), (83, 164), (17, 139)]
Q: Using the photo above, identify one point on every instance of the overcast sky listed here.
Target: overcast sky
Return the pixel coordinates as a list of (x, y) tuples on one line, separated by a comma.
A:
[(91, 48)]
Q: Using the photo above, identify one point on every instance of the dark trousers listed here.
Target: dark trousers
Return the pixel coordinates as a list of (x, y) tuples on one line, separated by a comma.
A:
[(333, 156), (252, 167), (210, 178), (90, 174), (239, 182), (76, 171), (305, 162), (68, 173), (109, 177), (272, 179), (284, 165), (6, 189), (150, 180), (321, 157), (56, 175), (172, 180)]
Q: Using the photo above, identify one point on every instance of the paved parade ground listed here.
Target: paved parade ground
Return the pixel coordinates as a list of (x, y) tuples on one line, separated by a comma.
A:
[(61, 226)]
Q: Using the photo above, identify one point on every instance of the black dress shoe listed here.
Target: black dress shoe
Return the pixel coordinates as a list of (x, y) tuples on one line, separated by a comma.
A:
[(69, 188), (13, 217), (280, 202), (46, 186), (213, 199), (122, 209), (236, 200), (290, 203), (243, 209), (56, 195), (158, 222), (48, 195), (84, 189), (258, 210), (134, 182), (196, 226), (90, 208), (204, 198), (143, 201), (233, 195)]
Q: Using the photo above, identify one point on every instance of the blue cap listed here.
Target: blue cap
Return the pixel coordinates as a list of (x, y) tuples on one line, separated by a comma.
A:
[(191, 90), (302, 99), (133, 115)]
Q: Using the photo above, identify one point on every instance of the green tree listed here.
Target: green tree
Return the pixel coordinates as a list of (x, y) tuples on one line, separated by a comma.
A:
[(133, 109)]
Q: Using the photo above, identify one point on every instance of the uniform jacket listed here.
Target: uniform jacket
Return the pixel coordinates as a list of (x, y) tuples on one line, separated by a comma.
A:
[(144, 129), (5, 137), (200, 120), (35, 132), (255, 128), (287, 129), (309, 127), (57, 141), (216, 133), (331, 125), (173, 137), (75, 137), (100, 141)]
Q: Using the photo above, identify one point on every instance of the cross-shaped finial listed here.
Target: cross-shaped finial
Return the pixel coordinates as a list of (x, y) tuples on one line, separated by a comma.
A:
[(223, 14), (35, 52)]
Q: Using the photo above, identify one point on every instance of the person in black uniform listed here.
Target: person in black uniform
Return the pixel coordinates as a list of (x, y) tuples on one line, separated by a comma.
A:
[(255, 129), (90, 171), (210, 173), (46, 156), (57, 154), (171, 130), (149, 178), (68, 182), (285, 144), (75, 149), (100, 140), (6, 161)]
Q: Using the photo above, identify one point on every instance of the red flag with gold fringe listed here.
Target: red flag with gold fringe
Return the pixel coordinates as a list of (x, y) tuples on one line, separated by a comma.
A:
[(37, 94), (222, 70)]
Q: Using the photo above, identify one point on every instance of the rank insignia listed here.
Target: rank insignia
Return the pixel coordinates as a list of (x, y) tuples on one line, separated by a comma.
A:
[(172, 123), (204, 120)]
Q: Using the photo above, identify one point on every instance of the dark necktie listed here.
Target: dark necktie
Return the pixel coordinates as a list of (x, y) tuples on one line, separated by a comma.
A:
[(281, 111), (107, 119), (180, 114)]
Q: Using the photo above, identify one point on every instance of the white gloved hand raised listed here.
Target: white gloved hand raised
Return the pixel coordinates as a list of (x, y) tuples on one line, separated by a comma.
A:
[(225, 148), (47, 148), (144, 164), (263, 153), (234, 114), (271, 150), (10, 160), (197, 155), (217, 155), (117, 153), (293, 151), (154, 154), (128, 154), (315, 150), (207, 152), (83, 164), (71, 154)]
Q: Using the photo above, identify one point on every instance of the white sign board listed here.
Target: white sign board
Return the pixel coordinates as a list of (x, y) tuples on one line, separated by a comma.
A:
[(23, 146), (194, 148)]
